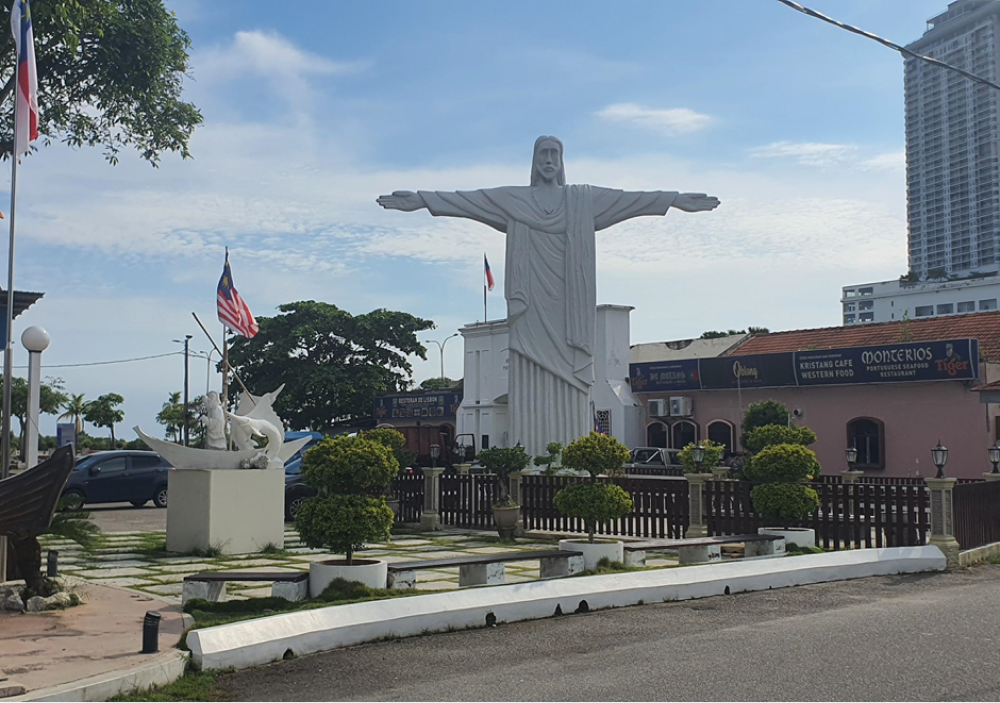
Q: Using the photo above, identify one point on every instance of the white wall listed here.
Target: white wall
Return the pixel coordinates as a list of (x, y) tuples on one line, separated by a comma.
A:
[(484, 403), (891, 301)]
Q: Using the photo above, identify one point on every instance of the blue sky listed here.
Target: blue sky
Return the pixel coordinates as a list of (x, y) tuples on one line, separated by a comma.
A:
[(310, 114)]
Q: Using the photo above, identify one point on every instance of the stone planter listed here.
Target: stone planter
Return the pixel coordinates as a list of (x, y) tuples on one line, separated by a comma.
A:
[(800, 536), (505, 520), (370, 572), (593, 553)]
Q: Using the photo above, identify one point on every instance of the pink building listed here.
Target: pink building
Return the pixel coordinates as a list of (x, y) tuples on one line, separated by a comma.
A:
[(892, 390)]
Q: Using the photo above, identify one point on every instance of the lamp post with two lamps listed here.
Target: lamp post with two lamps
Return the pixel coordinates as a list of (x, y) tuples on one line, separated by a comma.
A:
[(441, 346)]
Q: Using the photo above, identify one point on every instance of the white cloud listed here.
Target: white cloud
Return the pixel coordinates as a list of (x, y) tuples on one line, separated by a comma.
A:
[(892, 161), (672, 121), (807, 153), (271, 56)]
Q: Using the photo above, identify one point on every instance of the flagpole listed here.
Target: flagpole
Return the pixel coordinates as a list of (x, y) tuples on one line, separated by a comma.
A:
[(8, 364), (485, 316), (225, 378)]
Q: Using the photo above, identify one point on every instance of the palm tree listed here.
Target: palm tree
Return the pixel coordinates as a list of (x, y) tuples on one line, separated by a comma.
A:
[(172, 416), (74, 408)]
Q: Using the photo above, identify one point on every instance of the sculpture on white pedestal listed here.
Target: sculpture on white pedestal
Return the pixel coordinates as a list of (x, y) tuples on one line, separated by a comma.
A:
[(214, 419), (550, 284), (254, 417)]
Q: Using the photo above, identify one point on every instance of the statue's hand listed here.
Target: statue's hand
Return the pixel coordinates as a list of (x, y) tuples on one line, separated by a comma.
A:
[(695, 202), (404, 200)]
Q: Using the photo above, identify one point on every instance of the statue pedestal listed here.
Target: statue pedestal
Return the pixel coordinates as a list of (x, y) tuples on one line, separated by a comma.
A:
[(237, 510)]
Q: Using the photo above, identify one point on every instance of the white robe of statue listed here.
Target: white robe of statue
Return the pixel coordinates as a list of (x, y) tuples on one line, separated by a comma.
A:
[(550, 284)]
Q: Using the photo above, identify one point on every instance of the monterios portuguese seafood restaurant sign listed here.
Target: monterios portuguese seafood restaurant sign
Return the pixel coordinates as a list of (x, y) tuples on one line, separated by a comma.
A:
[(950, 360)]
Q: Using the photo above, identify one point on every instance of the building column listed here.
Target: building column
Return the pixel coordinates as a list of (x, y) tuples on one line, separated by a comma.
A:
[(696, 505), (990, 476), (943, 518), (430, 519), (851, 476)]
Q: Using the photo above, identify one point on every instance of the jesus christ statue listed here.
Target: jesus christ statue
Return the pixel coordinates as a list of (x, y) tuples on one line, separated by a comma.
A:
[(550, 283)]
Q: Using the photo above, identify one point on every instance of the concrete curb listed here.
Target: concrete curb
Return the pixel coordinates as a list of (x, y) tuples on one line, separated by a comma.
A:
[(263, 640), (163, 668), (976, 555)]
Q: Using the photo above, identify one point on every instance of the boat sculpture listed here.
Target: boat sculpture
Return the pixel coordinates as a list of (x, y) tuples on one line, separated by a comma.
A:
[(254, 416), (28, 500)]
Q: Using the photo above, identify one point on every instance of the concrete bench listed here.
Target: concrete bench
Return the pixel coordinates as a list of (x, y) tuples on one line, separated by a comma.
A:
[(705, 550), (211, 585), (487, 569)]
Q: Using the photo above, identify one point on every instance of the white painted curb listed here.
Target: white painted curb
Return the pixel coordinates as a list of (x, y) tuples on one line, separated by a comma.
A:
[(166, 667), (254, 642)]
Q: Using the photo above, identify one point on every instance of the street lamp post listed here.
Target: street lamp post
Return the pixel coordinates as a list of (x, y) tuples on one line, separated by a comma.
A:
[(698, 455), (939, 455), (186, 342), (35, 340), (441, 346), (208, 368), (994, 455)]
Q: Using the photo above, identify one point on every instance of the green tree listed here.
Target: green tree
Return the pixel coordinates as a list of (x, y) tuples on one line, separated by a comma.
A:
[(594, 503), (104, 412), (51, 398), (74, 406), (714, 452), (395, 442), (503, 461), (351, 476), (111, 74), (171, 416), (333, 364), (437, 384)]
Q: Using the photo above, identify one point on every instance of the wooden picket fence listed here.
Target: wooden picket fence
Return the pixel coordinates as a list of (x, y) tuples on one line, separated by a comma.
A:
[(977, 513), (660, 507), (467, 500), (409, 488)]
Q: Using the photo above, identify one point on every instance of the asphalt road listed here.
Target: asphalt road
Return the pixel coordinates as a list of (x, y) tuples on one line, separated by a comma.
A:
[(914, 637), (123, 517)]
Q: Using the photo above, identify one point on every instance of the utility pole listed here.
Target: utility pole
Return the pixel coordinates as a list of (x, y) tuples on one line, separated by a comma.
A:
[(187, 340)]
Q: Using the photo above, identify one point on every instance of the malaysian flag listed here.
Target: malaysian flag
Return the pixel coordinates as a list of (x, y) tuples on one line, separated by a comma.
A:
[(489, 274), (233, 310), (26, 100)]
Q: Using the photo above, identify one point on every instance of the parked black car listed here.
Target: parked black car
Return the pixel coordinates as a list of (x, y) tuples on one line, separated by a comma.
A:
[(117, 477)]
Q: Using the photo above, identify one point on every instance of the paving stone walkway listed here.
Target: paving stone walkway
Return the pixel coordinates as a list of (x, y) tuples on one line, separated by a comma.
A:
[(138, 560)]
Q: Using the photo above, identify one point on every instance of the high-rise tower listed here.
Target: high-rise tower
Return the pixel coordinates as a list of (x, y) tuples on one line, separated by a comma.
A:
[(953, 143)]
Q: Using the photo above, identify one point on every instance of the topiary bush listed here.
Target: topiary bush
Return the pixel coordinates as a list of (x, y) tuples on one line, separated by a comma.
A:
[(351, 476), (778, 471), (767, 435), (766, 412), (713, 456), (503, 461), (594, 503), (393, 440), (596, 454)]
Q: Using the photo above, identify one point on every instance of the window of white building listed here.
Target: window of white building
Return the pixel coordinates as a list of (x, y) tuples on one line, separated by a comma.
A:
[(945, 309), (988, 304), (968, 306), (924, 310)]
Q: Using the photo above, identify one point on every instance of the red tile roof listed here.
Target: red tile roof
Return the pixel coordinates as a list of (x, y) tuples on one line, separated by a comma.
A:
[(984, 326)]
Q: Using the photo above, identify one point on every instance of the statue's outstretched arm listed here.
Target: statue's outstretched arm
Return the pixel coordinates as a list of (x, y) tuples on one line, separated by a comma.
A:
[(695, 202), (404, 200)]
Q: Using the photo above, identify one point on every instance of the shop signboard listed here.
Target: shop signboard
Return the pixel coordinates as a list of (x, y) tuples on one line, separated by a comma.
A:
[(430, 405), (665, 376), (751, 371), (949, 360)]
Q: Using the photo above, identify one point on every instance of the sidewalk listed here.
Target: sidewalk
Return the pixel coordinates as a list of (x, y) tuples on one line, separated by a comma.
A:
[(100, 636)]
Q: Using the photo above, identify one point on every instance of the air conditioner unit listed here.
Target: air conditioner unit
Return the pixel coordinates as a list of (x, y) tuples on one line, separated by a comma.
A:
[(680, 407), (659, 408)]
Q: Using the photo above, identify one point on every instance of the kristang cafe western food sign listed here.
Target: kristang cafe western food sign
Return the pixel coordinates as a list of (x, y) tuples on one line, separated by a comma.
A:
[(949, 360)]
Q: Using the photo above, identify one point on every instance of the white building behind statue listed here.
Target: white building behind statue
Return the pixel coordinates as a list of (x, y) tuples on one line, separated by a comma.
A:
[(483, 413)]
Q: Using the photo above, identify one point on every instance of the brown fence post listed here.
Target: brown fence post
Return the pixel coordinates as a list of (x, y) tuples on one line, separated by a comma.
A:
[(430, 518), (696, 496), (943, 518)]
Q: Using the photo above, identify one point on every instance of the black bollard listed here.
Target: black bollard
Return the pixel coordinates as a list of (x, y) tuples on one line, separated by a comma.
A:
[(52, 564), (151, 632)]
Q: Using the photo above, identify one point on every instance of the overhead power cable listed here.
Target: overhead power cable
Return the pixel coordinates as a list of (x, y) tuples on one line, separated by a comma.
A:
[(105, 363), (885, 42)]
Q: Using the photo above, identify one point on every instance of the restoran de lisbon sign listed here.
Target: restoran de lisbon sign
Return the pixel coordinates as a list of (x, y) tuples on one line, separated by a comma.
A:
[(949, 360)]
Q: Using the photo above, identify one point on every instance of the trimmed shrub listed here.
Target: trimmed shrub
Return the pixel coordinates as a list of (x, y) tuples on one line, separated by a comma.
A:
[(351, 476), (503, 461), (596, 454), (766, 412), (768, 435), (394, 441), (784, 503), (713, 455), (594, 503), (783, 463)]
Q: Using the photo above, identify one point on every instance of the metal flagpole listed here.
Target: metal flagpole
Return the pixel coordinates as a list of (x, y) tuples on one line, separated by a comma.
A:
[(485, 316), (225, 378), (8, 363)]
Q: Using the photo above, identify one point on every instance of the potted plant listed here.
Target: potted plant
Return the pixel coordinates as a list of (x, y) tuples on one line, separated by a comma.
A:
[(504, 461), (393, 440), (350, 475), (594, 503), (779, 494)]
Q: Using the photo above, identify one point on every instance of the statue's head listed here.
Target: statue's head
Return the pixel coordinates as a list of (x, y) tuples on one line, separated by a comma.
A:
[(213, 397), (547, 164)]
